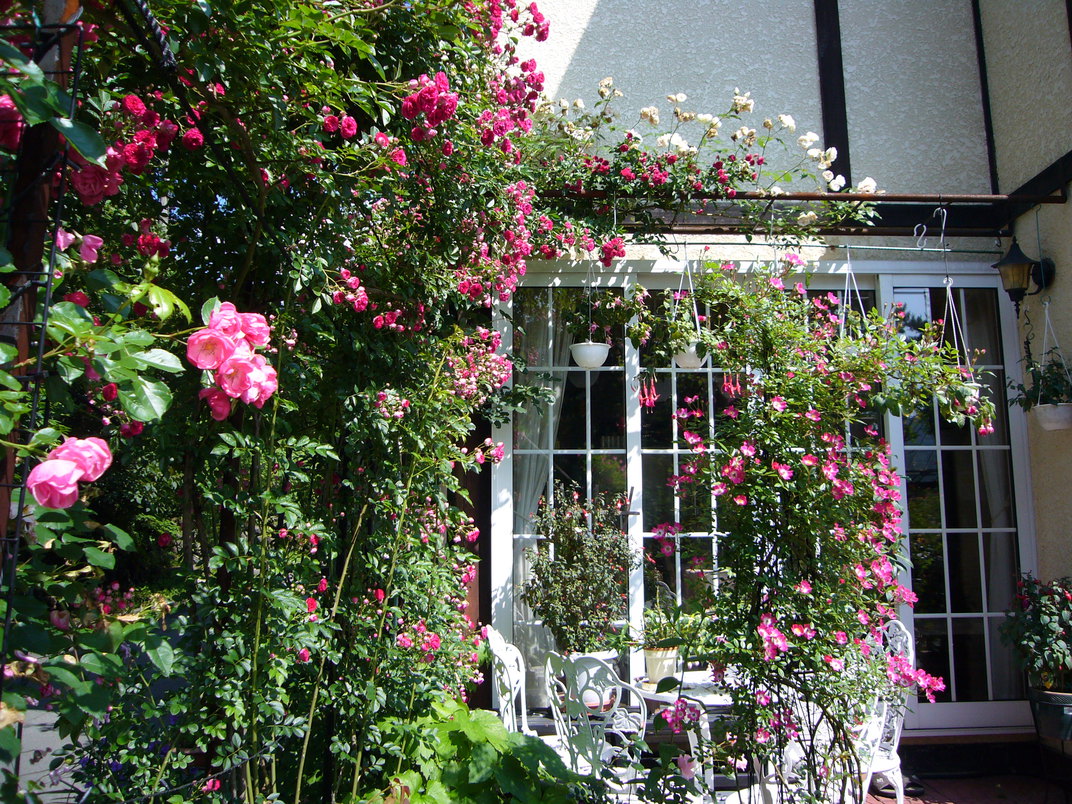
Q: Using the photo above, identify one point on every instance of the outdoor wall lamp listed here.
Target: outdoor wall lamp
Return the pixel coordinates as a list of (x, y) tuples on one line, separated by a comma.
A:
[(1018, 271)]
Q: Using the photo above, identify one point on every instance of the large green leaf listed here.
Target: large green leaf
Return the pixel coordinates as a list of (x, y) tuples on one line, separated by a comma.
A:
[(159, 359), (82, 138), (146, 400)]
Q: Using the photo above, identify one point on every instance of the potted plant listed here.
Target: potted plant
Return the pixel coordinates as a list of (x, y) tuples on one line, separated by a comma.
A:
[(660, 638), (1039, 628), (580, 571), (1049, 394), (596, 321)]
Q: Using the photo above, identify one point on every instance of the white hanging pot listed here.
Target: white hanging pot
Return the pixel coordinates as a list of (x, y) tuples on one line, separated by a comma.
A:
[(1053, 417), (688, 358), (589, 354)]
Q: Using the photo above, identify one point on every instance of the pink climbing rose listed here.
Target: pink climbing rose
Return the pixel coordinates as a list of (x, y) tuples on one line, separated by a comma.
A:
[(54, 483), (208, 348), (91, 455)]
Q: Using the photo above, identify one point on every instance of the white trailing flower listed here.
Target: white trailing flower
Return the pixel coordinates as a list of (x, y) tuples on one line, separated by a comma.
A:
[(788, 123), (807, 218), (807, 140), (868, 185), (680, 97), (742, 103), (705, 118), (837, 183), (650, 114)]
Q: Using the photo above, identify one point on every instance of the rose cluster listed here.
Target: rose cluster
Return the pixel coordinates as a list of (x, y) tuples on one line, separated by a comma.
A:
[(433, 99), (54, 481), (226, 346), (148, 134)]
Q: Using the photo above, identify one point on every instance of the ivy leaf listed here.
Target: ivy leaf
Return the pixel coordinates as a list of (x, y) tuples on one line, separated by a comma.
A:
[(146, 400)]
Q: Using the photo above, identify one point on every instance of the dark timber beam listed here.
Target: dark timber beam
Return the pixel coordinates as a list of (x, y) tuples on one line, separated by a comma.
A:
[(832, 84)]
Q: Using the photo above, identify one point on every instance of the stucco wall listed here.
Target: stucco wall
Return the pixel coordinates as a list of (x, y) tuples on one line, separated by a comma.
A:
[(704, 48), (1029, 69), (912, 95)]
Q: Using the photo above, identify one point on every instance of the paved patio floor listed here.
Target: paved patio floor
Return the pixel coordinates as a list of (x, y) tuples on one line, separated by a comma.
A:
[(985, 790)]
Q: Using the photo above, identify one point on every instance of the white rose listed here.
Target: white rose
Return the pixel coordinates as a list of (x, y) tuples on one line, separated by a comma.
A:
[(868, 185), (808, 140), (828, 175), (663, 140), (815, 153), (837, 183), (788, 123), (742, 103), (807, 218), (705, 118), (830, 157)]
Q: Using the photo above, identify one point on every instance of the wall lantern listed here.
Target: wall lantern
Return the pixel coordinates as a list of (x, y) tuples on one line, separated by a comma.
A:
[(1018, 271)]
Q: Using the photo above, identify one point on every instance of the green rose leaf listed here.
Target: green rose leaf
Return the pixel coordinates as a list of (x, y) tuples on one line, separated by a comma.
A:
[(146, 400)]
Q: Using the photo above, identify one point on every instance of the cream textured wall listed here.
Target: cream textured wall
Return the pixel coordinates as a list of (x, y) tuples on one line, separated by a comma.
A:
[(704, 48), (912, 95), (1029, 69)]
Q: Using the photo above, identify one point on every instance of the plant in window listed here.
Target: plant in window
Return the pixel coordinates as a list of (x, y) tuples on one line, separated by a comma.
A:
[(580, 570)]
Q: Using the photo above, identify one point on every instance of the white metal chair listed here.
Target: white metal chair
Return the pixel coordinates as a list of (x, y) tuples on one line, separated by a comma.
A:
[(599, 733), (886, 766), (508, 677), (781, 780)]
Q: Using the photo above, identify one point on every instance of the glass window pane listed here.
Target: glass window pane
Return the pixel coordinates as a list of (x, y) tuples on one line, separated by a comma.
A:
[(928, 572), (1006, 677), (530, 485), (696, 509), (919, 426), (917, 309), (965, 585), (608, 474), (531, 316), (571, 470), (932, 654), (980, 317), (532, 426), (921, 482), (994, 388), (658, 497), (953, 435), (995, 486), (660, 569), (969, 657), (656, 426), (571, 425), (958, 489), (1002, 570), (608, 410)]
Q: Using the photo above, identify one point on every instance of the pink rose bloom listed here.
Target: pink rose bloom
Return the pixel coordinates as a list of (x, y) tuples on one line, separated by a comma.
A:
[(686, 766), (255, 328), (303, 655), (208, 348), (54, 483), (226, 319), (192, 139), (219, 404), (331, 124), (263, 382), (348, 127), (78, 297), (91, 455), (63, 239), (88, 250), (382, 139), (235, 374)]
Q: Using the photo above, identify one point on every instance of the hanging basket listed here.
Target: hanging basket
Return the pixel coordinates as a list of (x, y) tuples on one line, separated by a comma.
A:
[(1053, 417), (589, 354), (688, 357)]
